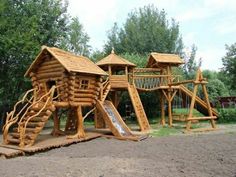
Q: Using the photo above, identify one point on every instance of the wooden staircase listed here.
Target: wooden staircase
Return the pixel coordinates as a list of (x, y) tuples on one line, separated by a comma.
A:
[(138, 108), (28, 124)]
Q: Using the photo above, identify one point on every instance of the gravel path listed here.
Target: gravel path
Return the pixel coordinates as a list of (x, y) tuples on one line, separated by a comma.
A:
[(192, 155)]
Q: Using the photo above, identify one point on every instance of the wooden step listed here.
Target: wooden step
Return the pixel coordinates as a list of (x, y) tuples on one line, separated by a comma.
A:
[(39, 119), (31, 113), (17, 136), (28, 130), (38, 108), (13, 140), (32, 130), (35, 124)]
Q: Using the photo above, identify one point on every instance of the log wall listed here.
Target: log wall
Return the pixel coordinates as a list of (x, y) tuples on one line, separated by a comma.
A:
[(74, 88)]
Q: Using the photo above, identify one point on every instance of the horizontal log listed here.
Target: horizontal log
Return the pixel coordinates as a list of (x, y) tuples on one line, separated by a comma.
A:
[(77, 86), (51, 62), (202, 118), (182, 82), (61, 104), (43, 80), (82, 100), (92, 91), (61, 70), (92, 96), (76, 104), (77, 89), (49, 75)]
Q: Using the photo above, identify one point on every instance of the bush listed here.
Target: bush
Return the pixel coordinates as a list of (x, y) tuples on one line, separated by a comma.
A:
[(227, 115)]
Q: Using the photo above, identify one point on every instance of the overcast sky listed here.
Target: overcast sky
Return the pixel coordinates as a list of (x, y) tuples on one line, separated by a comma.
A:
[(209, 24)]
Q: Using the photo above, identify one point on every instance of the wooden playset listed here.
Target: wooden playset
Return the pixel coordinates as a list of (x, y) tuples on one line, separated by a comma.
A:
[(62, 81)]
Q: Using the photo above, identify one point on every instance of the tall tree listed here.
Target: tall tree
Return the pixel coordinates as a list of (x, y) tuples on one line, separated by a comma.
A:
[(145, 30), (190, 65), (229, 65), (25, 25), (76, 40)]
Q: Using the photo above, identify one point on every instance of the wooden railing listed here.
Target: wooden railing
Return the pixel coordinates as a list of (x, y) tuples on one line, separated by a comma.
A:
[(13, 116), (118, 81), (153, 82)]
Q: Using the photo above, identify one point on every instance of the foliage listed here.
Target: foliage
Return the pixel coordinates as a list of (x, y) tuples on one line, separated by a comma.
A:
[(215, 86), (25, 25), (97, 55), (227, 115), (190, 65), (76, 40), (229, 65), (139, 60), (145, 30)]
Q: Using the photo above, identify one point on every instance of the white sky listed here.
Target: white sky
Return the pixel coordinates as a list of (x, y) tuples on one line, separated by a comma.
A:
[(209, 24)]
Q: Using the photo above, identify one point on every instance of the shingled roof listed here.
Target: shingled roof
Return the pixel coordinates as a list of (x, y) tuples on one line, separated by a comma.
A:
[(114, 59), (71, 62), (158, 59)]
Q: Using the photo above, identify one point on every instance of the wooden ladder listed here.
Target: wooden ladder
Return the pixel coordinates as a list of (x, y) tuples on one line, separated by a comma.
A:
[(138, 108)]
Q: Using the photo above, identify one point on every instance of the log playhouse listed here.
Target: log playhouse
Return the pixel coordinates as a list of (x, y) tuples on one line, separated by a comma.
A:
[(64, 81)]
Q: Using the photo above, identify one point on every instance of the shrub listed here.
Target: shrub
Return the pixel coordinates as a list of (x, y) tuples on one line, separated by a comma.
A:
[(227, 115)]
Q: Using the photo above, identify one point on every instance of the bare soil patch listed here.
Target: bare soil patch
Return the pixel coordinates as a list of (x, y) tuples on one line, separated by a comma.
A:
[(199, 155)]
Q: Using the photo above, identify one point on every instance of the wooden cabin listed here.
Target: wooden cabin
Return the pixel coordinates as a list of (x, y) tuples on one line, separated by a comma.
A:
[(118, 69), (76, 77)]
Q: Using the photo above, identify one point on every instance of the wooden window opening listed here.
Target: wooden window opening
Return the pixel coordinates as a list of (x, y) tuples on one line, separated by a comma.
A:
[(84, 84)]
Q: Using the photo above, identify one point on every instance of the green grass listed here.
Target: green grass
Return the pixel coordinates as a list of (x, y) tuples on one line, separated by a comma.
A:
[(165, 131), (186, 111)]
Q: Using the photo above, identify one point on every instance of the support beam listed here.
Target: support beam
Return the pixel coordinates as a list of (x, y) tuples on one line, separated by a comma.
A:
[(162, 99)]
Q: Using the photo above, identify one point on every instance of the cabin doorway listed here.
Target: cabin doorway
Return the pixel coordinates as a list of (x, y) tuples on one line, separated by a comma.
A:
[(49, 85)]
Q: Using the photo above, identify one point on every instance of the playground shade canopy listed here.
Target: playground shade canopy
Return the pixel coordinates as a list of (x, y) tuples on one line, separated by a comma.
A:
[(114, 59), (160, 59)]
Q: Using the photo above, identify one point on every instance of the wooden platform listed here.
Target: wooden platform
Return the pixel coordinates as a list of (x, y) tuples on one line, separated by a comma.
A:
[(43, 143)]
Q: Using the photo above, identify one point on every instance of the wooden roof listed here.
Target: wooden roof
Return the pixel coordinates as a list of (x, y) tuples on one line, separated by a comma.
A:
[(157, 59), (114, 59), (71, 62)]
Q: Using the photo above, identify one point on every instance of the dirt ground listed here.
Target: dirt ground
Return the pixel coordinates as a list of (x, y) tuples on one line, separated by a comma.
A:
[(191, 155)]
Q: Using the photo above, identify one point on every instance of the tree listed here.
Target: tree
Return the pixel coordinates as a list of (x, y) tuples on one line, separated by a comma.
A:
[(25, 25), (190, 67), (229, 65), (113, 39), (144, 31), (215, 86), (76, 40)]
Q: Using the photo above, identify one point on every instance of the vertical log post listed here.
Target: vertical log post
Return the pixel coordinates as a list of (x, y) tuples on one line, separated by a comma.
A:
[(162, 109), (80, 124), (56, 129)]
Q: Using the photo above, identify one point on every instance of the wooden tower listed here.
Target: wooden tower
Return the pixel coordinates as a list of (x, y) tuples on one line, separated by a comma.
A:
[(119, 70), (165, 62)]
